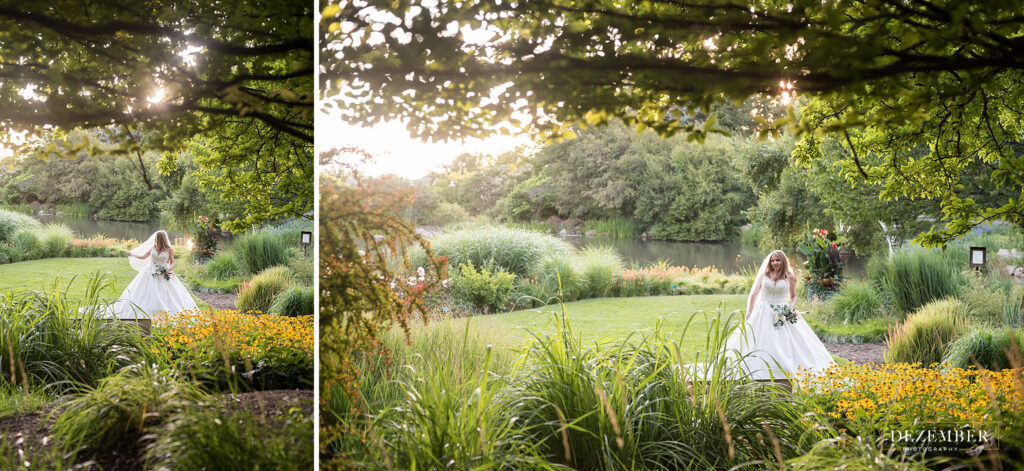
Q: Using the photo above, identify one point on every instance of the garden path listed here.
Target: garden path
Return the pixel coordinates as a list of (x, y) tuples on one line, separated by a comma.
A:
[(217, 301), (858, 353)]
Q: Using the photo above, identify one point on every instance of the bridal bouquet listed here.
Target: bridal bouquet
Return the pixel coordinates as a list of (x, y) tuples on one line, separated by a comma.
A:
[(163, 271), (783, 313)]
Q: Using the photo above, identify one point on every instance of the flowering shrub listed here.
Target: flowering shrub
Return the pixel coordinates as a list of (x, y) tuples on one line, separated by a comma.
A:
[(824, 263), (661, 280), (266, 352), (205, 231), (100, 247), (867, 398)]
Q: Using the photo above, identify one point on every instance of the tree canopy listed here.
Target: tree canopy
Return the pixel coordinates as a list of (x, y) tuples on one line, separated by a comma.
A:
[(930, 90), (239, 73)]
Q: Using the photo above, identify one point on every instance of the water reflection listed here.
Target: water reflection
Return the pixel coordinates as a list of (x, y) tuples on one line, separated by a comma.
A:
[(87, 227), (730, 257)]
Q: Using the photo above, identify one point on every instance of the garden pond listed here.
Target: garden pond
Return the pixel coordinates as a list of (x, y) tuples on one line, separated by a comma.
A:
[(88, 227)]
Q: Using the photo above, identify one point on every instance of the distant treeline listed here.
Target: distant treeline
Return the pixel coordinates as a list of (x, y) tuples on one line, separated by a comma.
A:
[(672, 188)]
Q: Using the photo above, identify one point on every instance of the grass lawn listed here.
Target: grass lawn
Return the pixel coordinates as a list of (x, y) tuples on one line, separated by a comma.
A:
[(40, 275), (610, 318)]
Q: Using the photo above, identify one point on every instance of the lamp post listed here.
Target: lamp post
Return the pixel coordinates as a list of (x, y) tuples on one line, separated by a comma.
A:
[(305, 240), (977, 257)]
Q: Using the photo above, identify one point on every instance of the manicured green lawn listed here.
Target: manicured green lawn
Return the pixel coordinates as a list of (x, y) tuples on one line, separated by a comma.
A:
[(40, 275), (611, 318)]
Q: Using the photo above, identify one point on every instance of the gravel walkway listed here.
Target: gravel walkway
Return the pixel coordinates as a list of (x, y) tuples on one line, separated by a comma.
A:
[(218, 301), (859, 353)]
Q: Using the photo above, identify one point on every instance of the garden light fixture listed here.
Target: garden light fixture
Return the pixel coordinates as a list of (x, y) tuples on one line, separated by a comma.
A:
[(977, 257)]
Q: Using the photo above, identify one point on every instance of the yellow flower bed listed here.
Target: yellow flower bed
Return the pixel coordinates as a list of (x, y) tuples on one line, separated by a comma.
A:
[(237, 332), (902, 392)]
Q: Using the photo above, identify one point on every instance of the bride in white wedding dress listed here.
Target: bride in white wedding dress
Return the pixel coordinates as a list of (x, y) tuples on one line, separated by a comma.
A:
[(155, 289), (769, 351)]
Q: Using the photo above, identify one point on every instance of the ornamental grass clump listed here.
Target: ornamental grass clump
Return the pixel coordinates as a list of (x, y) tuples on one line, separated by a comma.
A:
[(991, 348), (54, 240), (855, 302), (45, 342), (443, 366), (600, 267), (516, 251), (28, 244), (11, 223), (638, 405), (124, 406), (295, 301), (259, 293), (209, 437), (259, 250), (449, 399), (912, 278), (222, 266), (924, 335)]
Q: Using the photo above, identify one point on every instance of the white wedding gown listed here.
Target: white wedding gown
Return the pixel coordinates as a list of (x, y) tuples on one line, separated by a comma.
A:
[(773, 352), (147, 294)]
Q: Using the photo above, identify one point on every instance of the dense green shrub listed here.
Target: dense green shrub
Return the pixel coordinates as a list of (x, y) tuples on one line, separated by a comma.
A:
[(911, 278), (448, 213), (259, 293), (856, 301), (487, 289), (259, 250), (54, 240), (516, 251), (987, 346), (925, 334), (123, 406), (295, 301), (12, 223), (599, 266)]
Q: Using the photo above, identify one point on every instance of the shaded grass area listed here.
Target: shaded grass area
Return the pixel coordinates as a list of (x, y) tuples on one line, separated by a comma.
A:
[(40, 275)]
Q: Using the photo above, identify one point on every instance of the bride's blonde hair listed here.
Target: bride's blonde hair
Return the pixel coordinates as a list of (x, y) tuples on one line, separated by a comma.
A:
[(785, 271), (161, 243)]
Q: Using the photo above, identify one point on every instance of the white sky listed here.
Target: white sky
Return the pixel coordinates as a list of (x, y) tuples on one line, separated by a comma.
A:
[(398, 153)]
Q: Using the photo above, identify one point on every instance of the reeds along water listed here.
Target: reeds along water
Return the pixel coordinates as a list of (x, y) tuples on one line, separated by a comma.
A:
[(450, 399)]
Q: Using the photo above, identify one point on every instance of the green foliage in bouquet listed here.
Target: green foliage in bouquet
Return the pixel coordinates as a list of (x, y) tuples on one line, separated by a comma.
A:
[(824, 263)]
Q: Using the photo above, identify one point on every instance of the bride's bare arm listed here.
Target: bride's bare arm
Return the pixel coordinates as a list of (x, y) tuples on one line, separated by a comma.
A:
[(792, 291), (130, 254), (170, 259)]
